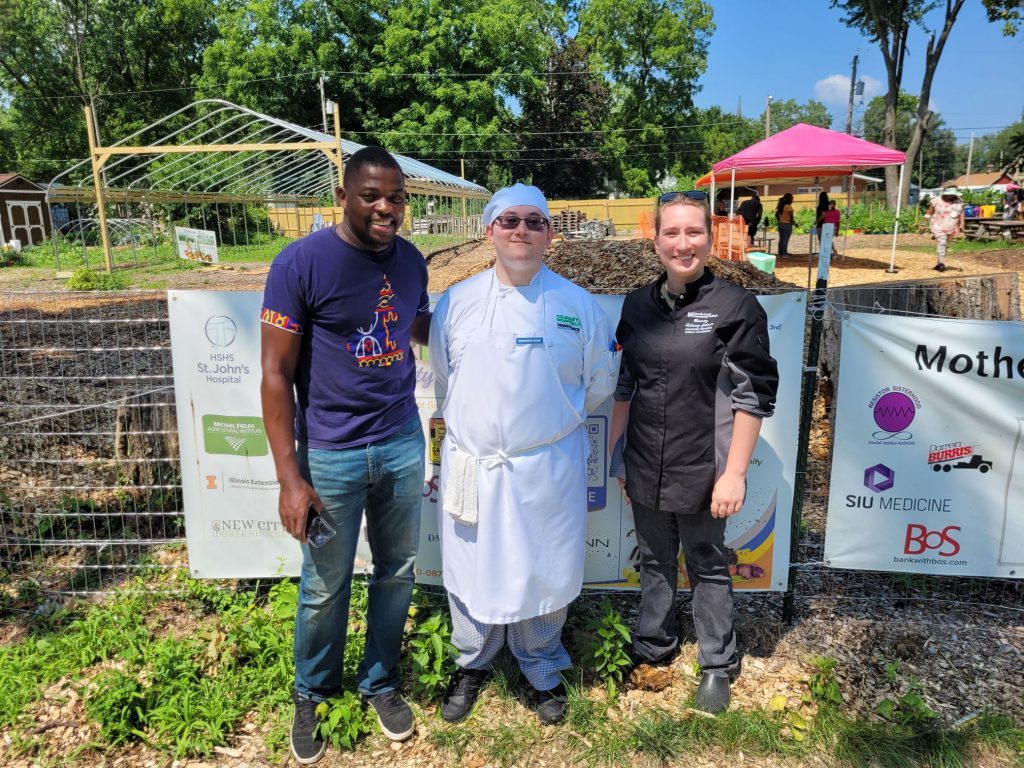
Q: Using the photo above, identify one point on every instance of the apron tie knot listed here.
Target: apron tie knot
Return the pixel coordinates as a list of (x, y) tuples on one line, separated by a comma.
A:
[(495, 461)]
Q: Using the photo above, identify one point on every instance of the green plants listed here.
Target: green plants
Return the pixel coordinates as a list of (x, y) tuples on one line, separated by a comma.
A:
[(607, 653), (343, 720), (823, 684), (85, 279), (115, 700), (908, 712), (432, 655)]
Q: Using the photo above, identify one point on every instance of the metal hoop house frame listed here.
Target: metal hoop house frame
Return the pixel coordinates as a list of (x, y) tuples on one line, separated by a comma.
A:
[(213, 152)]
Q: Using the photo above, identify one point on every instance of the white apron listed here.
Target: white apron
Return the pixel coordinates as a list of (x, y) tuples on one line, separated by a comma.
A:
[(507, 407)]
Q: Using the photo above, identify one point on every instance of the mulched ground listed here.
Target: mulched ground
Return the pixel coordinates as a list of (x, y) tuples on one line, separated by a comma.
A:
[(968, 658)]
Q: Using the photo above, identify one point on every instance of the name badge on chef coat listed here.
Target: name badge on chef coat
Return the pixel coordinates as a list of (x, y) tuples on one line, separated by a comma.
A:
[(529, 341)]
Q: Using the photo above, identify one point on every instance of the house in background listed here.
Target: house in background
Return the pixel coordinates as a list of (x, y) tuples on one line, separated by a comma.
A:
[(996, 180), (24, 214)]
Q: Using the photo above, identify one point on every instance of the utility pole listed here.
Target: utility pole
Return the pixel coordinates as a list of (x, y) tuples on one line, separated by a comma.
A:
[(970, 156), (323, 103), (768, 118), (849, 106)]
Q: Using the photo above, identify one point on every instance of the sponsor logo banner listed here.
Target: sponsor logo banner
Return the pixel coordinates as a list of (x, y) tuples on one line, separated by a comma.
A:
[(230, 486), (933, 481)]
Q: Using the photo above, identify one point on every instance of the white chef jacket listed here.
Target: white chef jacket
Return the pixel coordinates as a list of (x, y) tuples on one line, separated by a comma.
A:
[(522, 366)]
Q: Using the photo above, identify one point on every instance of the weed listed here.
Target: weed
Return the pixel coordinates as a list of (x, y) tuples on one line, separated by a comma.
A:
[(114, 699), (451, 741), (432, 656), (909, 712), (507, 744), (891, 670), (823, 684), (658, 735), (343, 720), (608, 653), (85, 279)]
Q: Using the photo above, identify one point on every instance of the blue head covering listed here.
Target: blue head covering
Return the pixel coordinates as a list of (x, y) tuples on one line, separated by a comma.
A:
[(517, 194)]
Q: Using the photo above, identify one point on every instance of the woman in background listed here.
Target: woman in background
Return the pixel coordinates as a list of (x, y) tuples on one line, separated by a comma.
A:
[(784, 213)]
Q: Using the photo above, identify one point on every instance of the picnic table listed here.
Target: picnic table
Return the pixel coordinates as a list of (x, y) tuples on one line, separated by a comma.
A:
[(993, 229)]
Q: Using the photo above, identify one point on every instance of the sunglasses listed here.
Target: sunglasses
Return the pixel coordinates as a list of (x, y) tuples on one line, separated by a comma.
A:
[(694, 194), (533, 223)]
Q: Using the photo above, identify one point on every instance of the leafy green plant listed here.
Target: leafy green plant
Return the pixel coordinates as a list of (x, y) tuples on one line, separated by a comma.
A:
[(432, 655), (114, 699), (343, 720), (909, 712), (607, 653), (85, 279), (823, 684)]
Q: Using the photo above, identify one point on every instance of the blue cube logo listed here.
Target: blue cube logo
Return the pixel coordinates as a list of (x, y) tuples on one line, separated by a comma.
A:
[(879, 478)]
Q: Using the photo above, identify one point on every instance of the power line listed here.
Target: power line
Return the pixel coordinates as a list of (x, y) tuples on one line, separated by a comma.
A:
[(354, 73)]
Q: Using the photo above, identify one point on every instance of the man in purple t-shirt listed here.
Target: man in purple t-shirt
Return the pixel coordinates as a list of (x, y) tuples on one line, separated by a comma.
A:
[(340, 308)]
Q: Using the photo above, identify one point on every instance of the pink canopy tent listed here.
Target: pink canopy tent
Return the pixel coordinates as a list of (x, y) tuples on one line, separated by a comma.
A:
[(804, 152)]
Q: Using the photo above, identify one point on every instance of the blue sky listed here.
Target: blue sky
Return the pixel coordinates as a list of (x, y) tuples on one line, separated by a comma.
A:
[(799, 49)]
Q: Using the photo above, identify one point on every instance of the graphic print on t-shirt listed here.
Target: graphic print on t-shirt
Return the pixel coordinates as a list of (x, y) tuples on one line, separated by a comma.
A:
[(373, 344)]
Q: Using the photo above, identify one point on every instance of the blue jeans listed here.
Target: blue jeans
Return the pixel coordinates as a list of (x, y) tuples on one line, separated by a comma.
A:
[(785, 231), (385, 477)]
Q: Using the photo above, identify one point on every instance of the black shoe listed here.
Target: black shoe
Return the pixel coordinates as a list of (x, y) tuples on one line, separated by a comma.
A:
[(393, 714), (713, 693), (462, 694), (940, 267), (307, 745), (549, 705)]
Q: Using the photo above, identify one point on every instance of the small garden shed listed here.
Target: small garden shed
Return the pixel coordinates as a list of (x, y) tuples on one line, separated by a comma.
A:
[(24, 214)]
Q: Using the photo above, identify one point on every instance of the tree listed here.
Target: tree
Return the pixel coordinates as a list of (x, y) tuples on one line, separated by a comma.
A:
[(481, 57), (994, 151), (271, 54), (788, 112), (133, 61), (937, 161), (653, 52), (560, 127), (888, 24)]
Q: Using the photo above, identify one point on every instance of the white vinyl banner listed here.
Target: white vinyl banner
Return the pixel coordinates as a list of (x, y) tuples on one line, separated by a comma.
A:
[(230, 489), (928, 462)]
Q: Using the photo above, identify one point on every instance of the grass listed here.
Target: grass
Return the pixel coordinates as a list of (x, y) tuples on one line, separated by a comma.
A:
[(183, 669), (960, 245)]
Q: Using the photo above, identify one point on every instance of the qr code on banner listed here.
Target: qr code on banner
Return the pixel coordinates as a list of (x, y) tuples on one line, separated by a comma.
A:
[(595, 466)]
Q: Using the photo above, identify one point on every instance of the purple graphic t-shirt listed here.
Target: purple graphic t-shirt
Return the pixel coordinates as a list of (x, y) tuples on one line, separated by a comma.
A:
[(354, 310)]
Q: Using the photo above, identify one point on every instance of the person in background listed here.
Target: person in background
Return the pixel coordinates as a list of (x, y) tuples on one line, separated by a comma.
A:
[(340, 309), (946, 220), (831, 215), (819, 211), (695, 381), (1013, 200), (751, 210), (784, 214), (525, 355)]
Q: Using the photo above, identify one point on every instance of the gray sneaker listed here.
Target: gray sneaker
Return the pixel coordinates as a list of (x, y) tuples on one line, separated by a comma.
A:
[(307, 745), (393, 714)]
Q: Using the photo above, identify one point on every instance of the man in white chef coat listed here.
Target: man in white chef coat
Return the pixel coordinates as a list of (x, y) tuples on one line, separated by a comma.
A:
[(524, 355)]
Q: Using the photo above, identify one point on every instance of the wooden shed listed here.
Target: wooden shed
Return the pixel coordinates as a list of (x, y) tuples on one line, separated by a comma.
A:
[(24, 214)]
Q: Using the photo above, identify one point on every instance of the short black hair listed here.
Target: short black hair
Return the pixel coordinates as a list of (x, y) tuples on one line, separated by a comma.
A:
[(375, 156)]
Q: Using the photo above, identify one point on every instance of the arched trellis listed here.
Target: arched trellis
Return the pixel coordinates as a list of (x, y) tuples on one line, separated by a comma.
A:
[(213, 152)]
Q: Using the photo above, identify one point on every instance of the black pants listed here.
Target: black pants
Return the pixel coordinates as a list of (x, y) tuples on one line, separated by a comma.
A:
[(658, 536)]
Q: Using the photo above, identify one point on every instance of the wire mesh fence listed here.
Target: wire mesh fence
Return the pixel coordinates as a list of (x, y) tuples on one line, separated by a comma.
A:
[(90, 477)]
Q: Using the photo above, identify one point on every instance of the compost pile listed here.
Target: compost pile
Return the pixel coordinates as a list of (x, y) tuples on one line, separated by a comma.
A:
[(619, 266)]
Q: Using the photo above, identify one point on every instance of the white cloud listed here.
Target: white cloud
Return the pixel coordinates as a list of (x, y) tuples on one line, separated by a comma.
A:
[(835, 89)]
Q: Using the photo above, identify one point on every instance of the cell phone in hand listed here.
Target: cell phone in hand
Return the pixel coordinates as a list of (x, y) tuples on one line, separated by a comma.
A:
[(318, 530)]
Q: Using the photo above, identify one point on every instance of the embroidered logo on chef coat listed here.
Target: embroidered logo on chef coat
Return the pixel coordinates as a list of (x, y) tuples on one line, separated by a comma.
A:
[(700, 322), (568, 323)]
